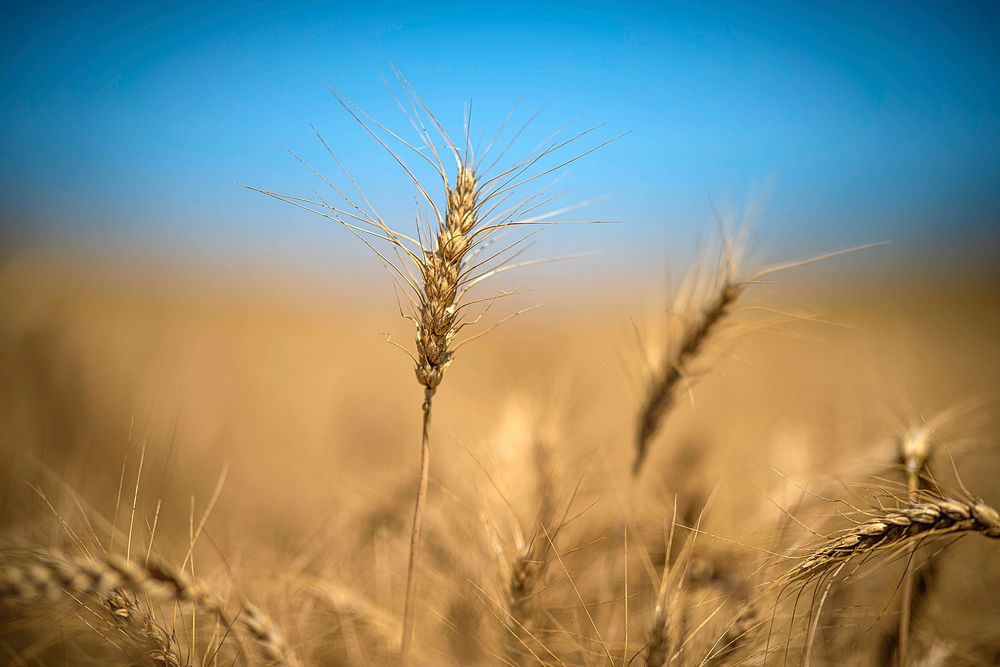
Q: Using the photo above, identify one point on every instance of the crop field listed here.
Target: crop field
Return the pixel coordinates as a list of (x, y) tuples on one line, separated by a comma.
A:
[(521, 334), (250, 457)]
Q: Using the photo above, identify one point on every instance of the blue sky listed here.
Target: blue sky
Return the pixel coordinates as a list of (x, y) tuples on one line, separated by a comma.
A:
[(127, 127)]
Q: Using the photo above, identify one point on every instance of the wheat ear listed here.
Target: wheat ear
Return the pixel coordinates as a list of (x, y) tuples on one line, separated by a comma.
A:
[(899, 528), (661, 391), (48, 573), (270, 641), (663, 633), (737, 633), (660, 641), (531, 561), (155, 642), (723, 290)]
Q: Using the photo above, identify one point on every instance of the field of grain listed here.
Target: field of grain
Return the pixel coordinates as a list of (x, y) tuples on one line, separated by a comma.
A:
[(203, 472), (521, 334)]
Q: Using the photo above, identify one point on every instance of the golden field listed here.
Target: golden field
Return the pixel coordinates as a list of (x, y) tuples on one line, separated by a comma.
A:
[(287, 392)]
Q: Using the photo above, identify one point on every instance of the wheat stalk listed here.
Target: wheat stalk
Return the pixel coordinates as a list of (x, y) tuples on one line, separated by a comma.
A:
[(914, 451), (437, 325), (438, 267)]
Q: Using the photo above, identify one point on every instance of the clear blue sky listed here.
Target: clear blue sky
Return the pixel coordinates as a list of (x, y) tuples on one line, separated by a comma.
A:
[(128, 125)]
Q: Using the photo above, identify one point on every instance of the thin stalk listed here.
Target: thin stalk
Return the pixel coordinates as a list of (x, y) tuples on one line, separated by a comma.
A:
[(913, 487), (914, 454), (418, 522)]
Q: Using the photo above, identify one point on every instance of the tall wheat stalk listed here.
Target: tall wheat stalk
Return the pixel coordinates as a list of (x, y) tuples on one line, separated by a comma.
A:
[(437, 325), (448, 256)]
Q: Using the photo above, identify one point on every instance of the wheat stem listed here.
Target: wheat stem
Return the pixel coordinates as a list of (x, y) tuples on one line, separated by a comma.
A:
[(418, 521), (912, 485), (914, 453)]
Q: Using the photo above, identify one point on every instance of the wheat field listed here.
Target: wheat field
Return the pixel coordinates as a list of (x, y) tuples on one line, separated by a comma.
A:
[(788, 462), (276, 427)]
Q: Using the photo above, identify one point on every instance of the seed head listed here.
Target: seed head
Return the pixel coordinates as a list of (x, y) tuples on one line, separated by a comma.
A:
[(437, 323)]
